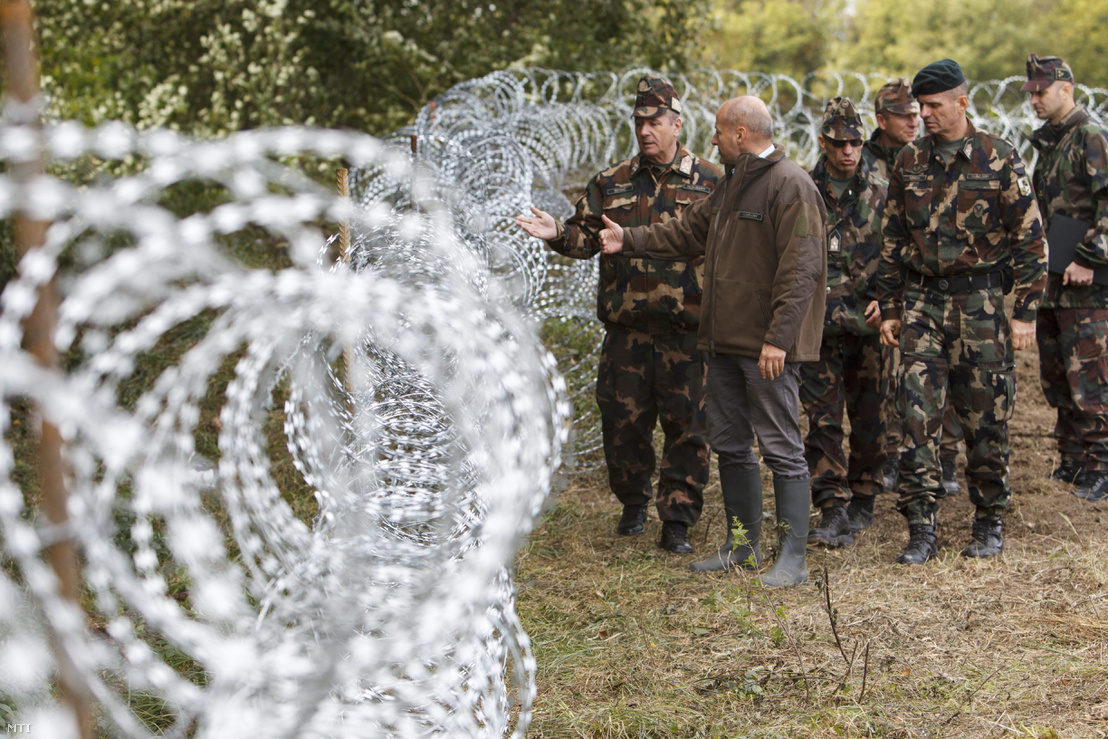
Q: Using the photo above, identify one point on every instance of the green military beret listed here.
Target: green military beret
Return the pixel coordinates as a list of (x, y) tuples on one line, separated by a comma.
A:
[(937, 77)]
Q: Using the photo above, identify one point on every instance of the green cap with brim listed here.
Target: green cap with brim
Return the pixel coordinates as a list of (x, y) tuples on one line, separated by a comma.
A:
[(1042, 72)]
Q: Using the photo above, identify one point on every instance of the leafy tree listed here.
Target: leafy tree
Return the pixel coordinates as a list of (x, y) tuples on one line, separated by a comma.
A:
[(791, 37), (208, 66), (990, 39)]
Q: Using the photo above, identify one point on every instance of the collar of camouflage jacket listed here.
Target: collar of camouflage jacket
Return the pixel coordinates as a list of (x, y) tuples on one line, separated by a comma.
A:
[(972, 140), (682, 163), (1050, 133)]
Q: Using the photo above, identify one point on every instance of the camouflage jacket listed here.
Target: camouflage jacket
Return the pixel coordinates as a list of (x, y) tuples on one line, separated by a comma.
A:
[(853, 247), (974, 216), (880, 157), (651, 295), (1071, 178)]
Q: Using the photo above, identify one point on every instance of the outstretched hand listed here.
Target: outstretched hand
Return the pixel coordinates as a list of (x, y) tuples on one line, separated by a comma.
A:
[(611, 238), (542, 225)]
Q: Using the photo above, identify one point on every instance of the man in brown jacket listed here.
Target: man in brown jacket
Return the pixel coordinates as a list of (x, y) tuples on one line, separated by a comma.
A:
[(765, 277)]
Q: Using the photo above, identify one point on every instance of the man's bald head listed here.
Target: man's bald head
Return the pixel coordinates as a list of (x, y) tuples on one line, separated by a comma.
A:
[(743, 126)]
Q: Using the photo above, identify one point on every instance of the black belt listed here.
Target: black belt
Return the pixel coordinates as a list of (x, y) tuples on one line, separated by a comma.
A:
[(958, 283)]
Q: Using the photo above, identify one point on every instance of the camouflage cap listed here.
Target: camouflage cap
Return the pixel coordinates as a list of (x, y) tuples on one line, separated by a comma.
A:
[(841, 121), (896, 97), (655, 96), (1042, 72)]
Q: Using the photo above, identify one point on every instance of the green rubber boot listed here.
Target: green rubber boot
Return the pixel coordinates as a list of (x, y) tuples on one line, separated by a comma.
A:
[(742, 500), (793, 501)]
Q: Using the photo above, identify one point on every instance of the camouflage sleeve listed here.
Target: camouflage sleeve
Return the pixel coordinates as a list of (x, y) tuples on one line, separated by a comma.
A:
[(866, 290), (677, 238), (894, 237), (1093, 252), (579, 236), (1020, 215)]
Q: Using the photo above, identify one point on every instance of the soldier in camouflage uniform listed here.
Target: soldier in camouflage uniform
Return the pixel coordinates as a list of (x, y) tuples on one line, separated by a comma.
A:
[(849, 370), (897, 114), (650, 367), (1071, 179), (960, 227)]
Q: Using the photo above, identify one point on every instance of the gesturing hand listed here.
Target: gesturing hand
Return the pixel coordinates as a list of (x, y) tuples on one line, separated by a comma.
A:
[(611, 238), (541, 226)]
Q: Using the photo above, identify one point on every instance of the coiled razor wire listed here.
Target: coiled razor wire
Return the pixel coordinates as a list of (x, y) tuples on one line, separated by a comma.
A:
[(426, 420), (414, 398)]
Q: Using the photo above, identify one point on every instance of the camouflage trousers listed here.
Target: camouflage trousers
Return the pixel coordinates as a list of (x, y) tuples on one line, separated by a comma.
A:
[(955, 349), (643, 379), (1073, 369), (952, 429), (848, 376)]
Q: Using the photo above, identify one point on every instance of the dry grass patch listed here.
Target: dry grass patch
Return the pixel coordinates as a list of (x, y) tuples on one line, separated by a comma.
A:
[(630, 643)]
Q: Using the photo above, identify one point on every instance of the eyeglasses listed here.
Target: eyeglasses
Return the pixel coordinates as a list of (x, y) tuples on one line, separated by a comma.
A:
[(856, 143)]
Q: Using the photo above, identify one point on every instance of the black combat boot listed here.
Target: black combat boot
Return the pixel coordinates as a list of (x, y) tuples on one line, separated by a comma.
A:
[(1069, 470), (1093, 487), (860, 512), (923, 545), (988, 537), (675, 538), (834, 527), (742, 502), (793, 504), (633, 520), (949, 467)]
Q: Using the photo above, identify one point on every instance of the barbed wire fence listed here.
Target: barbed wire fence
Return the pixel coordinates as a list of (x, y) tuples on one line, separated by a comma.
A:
[(414, 397)]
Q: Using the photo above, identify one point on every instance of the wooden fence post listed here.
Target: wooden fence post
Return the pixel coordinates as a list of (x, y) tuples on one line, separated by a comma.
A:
[(22, 81)]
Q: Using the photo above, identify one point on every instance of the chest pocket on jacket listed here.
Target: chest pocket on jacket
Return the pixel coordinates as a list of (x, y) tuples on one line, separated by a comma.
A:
[(620, 197), (917, 204), (686, 195), (978, 205)]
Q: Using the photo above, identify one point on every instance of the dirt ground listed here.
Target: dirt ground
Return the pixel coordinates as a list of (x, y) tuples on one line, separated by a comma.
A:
[(630, 643)]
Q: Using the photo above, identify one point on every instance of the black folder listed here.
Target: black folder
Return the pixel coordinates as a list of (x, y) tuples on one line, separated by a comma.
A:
[(1062, 239)]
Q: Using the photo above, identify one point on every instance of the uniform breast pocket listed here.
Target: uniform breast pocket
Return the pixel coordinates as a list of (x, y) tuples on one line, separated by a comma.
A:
[(978, 206), (917, 206), (622, 203)]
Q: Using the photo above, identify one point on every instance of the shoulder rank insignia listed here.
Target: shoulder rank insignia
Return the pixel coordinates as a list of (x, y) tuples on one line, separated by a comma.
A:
[(685, 167), (833, 242), (1024, 185)]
